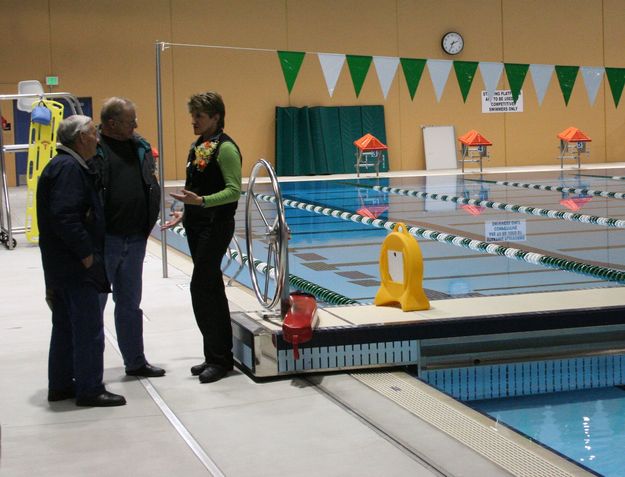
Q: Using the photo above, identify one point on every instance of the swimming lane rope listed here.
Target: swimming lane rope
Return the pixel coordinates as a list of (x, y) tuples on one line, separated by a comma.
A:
[(595, 271), (328, 296), (521, 209), (570, 190)]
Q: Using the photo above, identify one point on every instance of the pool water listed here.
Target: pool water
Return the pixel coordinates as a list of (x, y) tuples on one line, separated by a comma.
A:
[(586, 426)]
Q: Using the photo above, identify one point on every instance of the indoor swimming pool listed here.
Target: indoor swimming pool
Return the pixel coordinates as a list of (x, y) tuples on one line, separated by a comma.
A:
[(481, 235), (586, 426), (329, 249)]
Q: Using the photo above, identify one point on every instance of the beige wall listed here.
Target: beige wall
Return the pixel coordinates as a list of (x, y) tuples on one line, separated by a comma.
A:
[(107, 47)]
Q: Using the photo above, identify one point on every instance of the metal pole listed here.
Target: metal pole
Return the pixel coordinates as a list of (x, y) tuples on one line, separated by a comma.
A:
[(161, 162)]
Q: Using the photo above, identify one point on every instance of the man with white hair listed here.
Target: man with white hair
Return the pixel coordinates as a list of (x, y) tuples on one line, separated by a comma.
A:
[(71, 238)]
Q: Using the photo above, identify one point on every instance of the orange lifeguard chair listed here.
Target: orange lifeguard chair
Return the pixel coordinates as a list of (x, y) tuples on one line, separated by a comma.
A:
[(573, 143), (370, 153), (474, 148)]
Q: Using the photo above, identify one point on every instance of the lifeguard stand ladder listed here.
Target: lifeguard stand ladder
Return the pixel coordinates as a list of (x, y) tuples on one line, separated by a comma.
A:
[(573, 143), (474, 148), (370, 152)]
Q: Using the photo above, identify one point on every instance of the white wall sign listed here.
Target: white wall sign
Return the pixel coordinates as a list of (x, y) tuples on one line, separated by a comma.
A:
[(505, 231), (502, 102)]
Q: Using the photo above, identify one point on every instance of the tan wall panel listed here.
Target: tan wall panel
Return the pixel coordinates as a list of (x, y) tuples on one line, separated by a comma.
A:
[(562, 32), (8, 137), (25, 50), (421, 27), (107, 48), (614, 18), (248, 88), (103, 49)]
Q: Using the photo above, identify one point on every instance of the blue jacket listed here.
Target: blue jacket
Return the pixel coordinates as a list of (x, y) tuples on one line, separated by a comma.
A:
[(71, 223)]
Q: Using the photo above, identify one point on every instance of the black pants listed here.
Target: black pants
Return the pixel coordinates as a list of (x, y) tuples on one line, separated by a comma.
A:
[(208, 243)]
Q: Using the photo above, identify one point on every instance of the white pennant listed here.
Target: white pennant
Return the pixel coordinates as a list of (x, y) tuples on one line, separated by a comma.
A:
[(439, 73), (541, 76), (491, 74), (331, 65), (385, 67), (593, 75)]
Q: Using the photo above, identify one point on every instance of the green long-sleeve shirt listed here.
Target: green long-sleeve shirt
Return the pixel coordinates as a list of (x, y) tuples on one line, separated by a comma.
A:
[(230, 165)]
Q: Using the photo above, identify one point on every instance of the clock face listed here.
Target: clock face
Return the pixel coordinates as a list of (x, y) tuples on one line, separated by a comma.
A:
[(452, 43)]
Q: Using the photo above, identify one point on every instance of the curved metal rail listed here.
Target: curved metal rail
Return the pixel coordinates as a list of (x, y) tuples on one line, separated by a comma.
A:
[(276, 236)]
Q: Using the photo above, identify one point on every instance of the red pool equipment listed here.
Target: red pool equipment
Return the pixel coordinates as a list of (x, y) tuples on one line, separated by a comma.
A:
[(573, 143), (473, 148), (370, 153), (300, 320)]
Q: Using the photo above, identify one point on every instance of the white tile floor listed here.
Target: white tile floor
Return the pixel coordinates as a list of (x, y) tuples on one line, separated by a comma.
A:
[(329, 425)]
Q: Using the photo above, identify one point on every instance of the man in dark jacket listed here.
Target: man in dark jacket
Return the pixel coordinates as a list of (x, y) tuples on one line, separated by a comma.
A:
[(131, 194), (71, 239)]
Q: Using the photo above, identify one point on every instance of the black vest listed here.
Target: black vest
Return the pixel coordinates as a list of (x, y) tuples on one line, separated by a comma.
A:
[(207, 181)]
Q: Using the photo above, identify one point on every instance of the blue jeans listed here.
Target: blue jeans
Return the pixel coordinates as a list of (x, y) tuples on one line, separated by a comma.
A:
[(123, 257), (76, 358)]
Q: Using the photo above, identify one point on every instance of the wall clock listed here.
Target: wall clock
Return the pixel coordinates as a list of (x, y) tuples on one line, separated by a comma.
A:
[(452, 43)]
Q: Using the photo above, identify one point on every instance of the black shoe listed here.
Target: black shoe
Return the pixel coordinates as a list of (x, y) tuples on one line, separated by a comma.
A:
[(61, 394), (147, 371), (212, 373), (198, 368), (105, 399)]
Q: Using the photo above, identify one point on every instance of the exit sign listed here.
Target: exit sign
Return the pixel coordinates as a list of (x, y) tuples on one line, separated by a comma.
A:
[(52, 80)]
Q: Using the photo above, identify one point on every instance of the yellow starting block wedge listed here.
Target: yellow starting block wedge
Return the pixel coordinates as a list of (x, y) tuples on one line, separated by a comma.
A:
[(401, 272), (42, 148)]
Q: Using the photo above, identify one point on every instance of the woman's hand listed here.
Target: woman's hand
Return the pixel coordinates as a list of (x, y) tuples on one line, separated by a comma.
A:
[(176, 218), (188, 197)]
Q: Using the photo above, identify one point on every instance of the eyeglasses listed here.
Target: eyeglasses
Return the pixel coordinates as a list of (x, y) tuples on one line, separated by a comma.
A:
[(131, 122)]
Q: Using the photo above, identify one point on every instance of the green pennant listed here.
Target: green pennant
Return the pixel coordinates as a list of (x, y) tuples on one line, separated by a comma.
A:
[(291, 62), (358, 68), (413, 69), (566, 78), (465, 72), (616, 79), (516, 75)]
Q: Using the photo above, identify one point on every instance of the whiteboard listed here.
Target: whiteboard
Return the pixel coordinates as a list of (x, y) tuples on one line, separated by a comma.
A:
[(439, 143)]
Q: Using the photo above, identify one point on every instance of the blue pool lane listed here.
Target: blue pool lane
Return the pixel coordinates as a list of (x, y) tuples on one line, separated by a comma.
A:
[(586, 426)]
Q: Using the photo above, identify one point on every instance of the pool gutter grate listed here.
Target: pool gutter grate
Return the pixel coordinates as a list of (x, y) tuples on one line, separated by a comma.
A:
[(446, 415)]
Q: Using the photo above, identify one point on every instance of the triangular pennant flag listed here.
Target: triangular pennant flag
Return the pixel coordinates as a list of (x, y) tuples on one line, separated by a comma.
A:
[(616, 79), (331, 65), (358, 68), (541, 77), (439, 73), (516, 76), (592, 79), (413, 69), (566, 77), (385, 67), (291, 61), (491, 74), (465, 72)]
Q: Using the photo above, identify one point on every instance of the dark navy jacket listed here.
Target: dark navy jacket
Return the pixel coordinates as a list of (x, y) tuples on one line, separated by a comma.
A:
[(70, 217), (100, 165)]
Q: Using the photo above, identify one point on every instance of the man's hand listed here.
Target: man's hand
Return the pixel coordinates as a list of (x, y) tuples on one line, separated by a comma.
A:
[(87, 261)]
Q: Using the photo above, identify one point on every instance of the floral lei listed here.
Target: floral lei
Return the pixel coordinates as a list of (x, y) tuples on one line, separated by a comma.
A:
[(203, 154)]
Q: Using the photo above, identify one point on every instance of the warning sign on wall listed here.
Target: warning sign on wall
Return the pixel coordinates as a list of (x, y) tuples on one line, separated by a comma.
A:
[(502, 102), (505, 231)]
